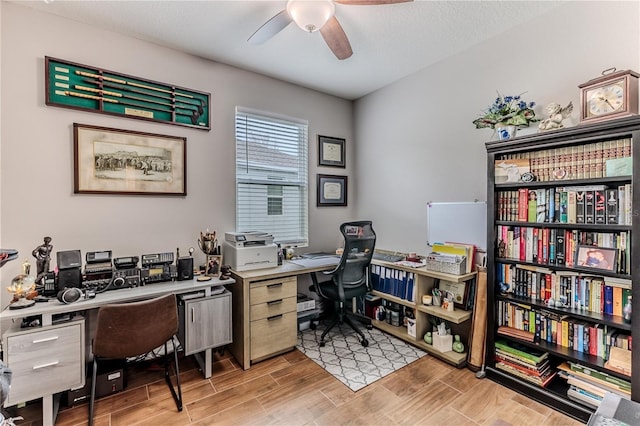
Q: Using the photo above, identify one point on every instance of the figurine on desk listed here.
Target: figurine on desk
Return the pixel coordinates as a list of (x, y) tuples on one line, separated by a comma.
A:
[(42, 253)]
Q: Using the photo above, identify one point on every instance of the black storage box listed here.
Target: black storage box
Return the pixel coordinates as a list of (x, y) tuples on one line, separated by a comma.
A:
[(110, 380)]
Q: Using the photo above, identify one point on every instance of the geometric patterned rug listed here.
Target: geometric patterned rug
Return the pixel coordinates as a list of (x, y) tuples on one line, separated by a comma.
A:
[(354, 365)]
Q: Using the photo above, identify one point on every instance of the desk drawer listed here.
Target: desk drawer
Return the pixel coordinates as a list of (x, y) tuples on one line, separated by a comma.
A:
[(273, 307), (45, 361), (273, 334), (267, 291)]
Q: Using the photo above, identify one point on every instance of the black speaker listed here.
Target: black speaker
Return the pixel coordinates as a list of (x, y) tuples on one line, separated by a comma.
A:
[(69, 259), (69, 278), (185, 268)]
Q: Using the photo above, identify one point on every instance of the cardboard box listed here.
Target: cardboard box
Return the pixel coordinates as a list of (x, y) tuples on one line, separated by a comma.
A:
[(443, 343)]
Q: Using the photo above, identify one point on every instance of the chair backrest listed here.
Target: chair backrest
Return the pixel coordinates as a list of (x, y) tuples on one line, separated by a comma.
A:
[(359, 244), (130, 329)]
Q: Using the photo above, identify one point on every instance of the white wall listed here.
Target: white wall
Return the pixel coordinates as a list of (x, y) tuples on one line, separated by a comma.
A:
[(36, 192), (415, 139)]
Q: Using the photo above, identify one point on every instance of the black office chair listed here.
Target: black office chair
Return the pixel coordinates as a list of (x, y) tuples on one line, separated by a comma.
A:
[(127, 330), (351, 277)]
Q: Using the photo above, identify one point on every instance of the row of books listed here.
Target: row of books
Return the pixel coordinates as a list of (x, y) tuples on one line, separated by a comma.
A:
[(590, 204), (589, 386), (594, 160), (562, 247), (544, 326), (602, 295), (532, 366), (393, 281)]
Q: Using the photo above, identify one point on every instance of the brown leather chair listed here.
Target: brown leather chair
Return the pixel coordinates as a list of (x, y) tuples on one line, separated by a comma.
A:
[(127, 330)]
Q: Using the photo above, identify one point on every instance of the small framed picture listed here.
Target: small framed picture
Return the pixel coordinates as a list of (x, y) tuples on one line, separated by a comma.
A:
[(594, 257), (332, 190), (212, 268), (460, 292), (331, 151)]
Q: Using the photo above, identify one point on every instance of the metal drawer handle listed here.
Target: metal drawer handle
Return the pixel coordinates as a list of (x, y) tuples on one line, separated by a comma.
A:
[(274, 302), (275, 317), (47, 339), (51, 364), (276, 285)]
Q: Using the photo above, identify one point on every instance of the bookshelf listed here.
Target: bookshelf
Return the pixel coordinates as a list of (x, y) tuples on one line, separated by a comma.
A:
[(424, 281), (539, 233)]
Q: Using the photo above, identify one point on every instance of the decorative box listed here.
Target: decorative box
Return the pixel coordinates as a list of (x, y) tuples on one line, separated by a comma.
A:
[(443, 343), (411, 327)]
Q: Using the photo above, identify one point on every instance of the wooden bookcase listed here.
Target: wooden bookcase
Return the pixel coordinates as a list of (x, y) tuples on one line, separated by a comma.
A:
[(555, 160), (458, 320)]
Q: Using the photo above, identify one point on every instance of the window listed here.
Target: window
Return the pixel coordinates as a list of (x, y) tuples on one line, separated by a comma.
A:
[(271, 176)]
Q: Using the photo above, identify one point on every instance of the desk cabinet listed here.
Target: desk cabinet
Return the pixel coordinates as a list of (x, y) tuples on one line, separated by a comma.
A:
[(44, 360), (265, 319), (273, 317), (205, 322)]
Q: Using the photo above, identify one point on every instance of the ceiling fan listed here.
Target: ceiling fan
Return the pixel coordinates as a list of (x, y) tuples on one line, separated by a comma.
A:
[(312, 16)]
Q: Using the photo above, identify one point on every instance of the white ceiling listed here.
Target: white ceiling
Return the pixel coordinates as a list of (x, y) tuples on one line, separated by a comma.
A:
[(389, 41)]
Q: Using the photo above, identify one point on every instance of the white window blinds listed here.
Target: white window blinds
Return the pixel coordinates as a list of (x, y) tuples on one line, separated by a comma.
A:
[(271, 176)]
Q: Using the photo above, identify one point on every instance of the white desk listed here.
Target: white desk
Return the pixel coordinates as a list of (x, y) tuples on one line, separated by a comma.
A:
[(10, 320)]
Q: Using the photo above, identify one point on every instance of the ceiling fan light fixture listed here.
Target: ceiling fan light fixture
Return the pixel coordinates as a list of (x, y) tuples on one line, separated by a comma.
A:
[(311, 15)]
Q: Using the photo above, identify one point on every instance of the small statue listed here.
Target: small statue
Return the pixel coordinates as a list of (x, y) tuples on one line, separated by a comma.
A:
[(42, 253), (225, 272), (556, 115)]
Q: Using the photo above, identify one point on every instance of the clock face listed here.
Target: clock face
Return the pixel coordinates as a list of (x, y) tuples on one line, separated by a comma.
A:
[(606, 99)]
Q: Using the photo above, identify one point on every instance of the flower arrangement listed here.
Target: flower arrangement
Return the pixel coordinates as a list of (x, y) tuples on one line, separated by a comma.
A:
[(508, 111)]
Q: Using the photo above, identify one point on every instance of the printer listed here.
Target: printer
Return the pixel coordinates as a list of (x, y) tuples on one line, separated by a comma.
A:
[(249, 250)]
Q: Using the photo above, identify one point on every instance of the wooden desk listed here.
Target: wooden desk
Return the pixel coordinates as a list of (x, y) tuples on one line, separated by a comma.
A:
[(265, 317), (69, 342), (265, 310)]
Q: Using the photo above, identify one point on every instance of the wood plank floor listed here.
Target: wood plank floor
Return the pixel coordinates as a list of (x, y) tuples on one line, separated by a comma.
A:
[(290, 389)]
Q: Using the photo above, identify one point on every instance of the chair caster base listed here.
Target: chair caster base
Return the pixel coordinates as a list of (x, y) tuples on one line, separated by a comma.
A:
[(365, 343), (322, 343)]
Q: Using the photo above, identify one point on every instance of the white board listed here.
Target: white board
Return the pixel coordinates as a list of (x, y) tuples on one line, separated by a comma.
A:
[(464, 222)]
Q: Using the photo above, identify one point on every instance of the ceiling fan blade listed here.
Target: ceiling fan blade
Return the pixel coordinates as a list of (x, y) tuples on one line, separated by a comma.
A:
[(336, 39), (270, 28), (371, 2)]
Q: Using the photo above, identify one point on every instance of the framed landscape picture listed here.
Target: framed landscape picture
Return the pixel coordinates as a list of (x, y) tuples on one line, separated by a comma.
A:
[(114, 161)]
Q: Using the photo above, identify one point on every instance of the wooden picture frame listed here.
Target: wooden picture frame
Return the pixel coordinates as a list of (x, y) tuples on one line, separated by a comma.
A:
[(459, 290), (213, 265), (332, 190), (331, 151), (115, 161), (593, 257)]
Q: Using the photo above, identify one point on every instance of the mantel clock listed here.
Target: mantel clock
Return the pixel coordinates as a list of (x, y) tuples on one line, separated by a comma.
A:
[(613, 95)]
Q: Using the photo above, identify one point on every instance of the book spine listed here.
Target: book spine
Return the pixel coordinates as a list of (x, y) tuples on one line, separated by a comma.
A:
[(564, 207), (580, 196), (541, 207), (560, 247), (612, 206), (589, 207), (523, 204), (600, 215), (551, 203), (571, 206)]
